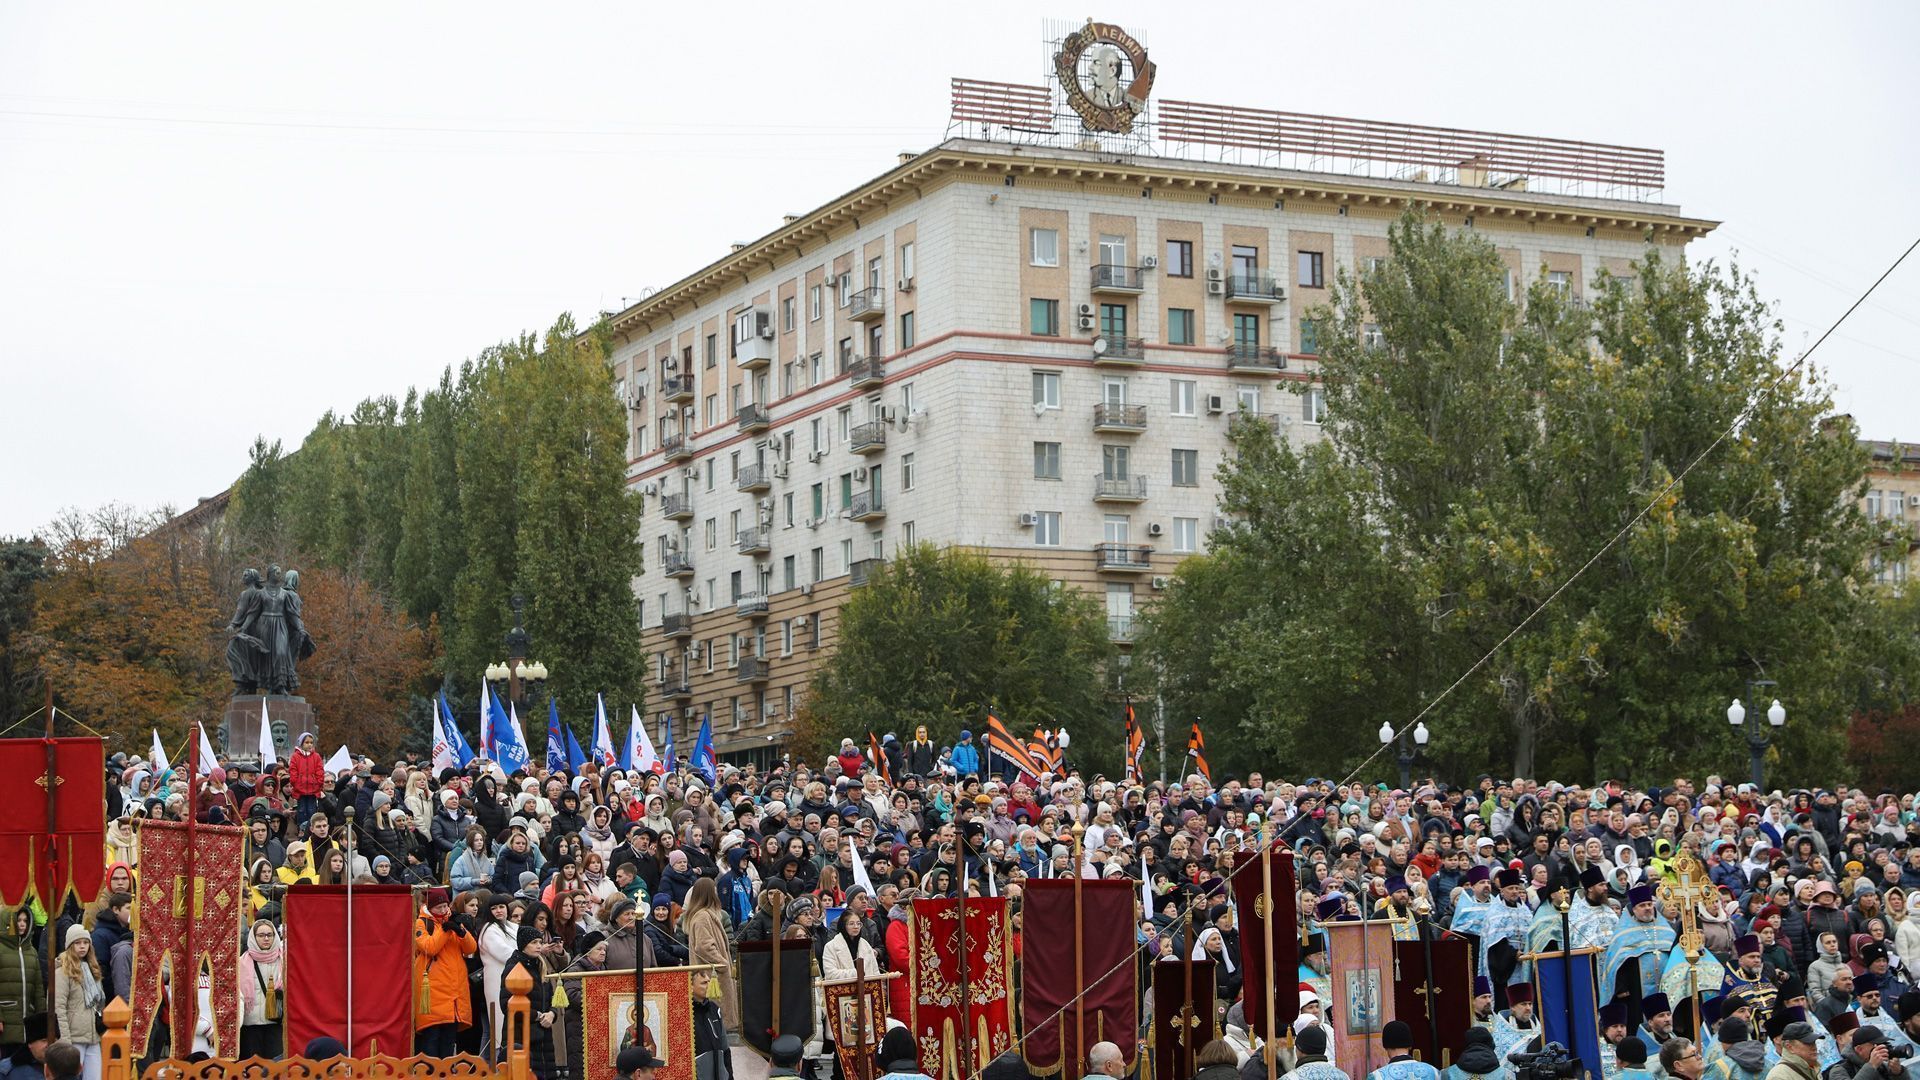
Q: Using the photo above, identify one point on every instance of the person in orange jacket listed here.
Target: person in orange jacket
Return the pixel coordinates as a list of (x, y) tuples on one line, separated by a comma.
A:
[(442, 1002)]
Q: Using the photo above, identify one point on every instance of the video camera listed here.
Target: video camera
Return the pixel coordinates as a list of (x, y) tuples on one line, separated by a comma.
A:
[(1553, 1062)]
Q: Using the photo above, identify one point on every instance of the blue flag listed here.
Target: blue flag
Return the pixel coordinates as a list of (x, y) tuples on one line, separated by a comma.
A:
[(702, 760), (556, 742), (1573, 1022), (666, 754), (576, 757), (450, 749), (509, 749)]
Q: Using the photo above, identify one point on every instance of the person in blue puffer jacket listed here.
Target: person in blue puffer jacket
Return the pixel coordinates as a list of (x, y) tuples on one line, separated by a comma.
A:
[(966, 756)]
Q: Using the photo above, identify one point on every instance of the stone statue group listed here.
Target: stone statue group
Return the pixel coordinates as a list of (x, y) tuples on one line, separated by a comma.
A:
[(269, 639)]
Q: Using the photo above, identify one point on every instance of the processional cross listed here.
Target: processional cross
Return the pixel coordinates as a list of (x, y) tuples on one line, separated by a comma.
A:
[(1688, 885)]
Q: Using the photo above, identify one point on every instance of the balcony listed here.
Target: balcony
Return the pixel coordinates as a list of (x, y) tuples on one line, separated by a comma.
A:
[(677, 507), (1119, 350), (752, 417), (675, 447), (866, 506), (1256, 358), (755, 478), (869, 438), (867, 305), (678, 388), (751, 606), (1119, 489), (1114, 419), (863, 571), (755, 541), (1254, 289), (754, 353), (1122, 558), (865, 371), (753, 669), (677, 625), (1120, 629), (679, 565), (676, 687), (1115, 278)]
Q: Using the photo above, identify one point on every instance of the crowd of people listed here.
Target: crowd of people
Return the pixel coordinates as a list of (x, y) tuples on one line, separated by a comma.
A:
[(1810, 909)]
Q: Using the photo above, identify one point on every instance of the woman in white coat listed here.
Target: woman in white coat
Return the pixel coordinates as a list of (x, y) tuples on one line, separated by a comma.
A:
[(498, 940), (845, 948)]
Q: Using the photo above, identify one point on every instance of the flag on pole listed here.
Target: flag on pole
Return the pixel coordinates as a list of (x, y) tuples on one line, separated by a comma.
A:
[(1146, 885), (702, 759), (879, 756), (519, 733), (1136, 742), (1197, 750), (644, 759), (460, 752), (1000, 741), (340, 762), (631, 748), (673, 764), (576, 757), (207, 760), (267, 757), (509, 749), (486, 721), (159, 754), (1044, 753), (860, 877), (444, 755), (556, 742), (603, 751)]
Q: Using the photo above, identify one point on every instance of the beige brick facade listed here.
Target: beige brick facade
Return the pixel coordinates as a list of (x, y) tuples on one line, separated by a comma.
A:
[(1893, 500)]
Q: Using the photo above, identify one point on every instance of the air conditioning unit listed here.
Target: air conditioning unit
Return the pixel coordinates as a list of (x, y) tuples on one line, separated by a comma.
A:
[(1213, 274), (637, 398), (885, 414), (1086, 311), (1159, 583), (1150, 262), (1913, 500), (1029, 519), (1216, 404), (1155, 528), (812, 523), (860, 474), (1215, 287), (766, 331), (693, 650), (816, 455), (766, 506), (1084, 322), (905, 285), (651, 488), (780, 470)]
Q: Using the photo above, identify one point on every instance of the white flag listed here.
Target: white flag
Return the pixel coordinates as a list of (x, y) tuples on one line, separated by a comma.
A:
[(645, 759), (267, 757), (860, 877), (1146, 887), (207, 758), (603, 752), (159, 756), (340, 762)]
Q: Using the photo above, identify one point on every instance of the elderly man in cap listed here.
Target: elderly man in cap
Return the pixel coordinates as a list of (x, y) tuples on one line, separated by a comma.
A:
[(1800, 1055), (1871, 1056)]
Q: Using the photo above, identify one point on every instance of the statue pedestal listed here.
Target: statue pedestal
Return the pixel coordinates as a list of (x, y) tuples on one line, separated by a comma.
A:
[(291, 718)]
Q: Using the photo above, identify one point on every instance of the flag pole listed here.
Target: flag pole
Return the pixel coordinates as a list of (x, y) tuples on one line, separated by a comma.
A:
[(779, 904), (351, 814), (190, 883), (51, 783), (1079, 964)]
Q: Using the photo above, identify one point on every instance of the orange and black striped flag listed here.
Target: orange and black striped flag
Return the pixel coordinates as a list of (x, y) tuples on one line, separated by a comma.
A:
[(1197, 750), (1000, 741), (1136, 742), (879, 755), (1043, 751)]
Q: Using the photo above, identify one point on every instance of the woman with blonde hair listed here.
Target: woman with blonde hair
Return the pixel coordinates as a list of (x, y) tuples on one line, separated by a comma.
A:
[(705, 926), (78, 997)]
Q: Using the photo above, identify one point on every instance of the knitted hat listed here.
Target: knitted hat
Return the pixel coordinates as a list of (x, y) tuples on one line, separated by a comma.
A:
[(1631, 1051), (1396, 1035), (1312, 1040)]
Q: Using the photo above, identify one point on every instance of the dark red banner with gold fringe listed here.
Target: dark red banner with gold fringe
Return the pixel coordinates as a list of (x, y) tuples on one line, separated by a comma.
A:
[(1260, 909), (855, 1027), (77, 830), (1078, 977), (190, 879), (1183, 1015), (944, 1003), (363, 997)]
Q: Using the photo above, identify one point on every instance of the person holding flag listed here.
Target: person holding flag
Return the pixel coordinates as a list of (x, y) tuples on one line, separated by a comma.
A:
[(603, 751)]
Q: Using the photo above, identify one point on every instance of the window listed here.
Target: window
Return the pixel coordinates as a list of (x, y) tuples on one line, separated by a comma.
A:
[(1373, 264), (1044, 245), (819, 369), (906, 472), (1371, 337), (818, 559), (843, 356), (1046, 461), (712, 532), (1046, 528), (819, 429), (1179, 326), (813, 303), (906, 261), (1186, 534), (713, 350), (906, 399), (1507, 280), (843, 288), (787, 312), (1311, 271), (1043, 317), (1046, 389), (1310, 336), (733, 468), (1186, 468), (1113, 462), (733, 586), (786, 572), (1179, 260), (1246, 262), (907, 335), (876, 340), (873, 272), (819, 501), (846, 490), (786, 631), (846, 422), (789, 382), (846, 555), (1313, 407), (1246, 331), (713, 646), (906, 534), (1182, 392), (1247, 398), (1113, 320), (1873, 505), (1896, 506), (709, 474), (1560, 281), (787, 506)]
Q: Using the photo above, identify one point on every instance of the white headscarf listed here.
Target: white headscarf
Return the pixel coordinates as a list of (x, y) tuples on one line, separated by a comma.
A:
[(1200, 948)]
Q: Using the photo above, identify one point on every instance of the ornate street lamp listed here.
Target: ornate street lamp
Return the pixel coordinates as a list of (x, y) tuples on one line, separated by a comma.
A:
[(1758, 737)]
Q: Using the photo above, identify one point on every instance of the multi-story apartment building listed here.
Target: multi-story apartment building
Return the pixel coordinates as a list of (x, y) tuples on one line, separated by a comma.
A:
[(1893, 499), (1031, 350)]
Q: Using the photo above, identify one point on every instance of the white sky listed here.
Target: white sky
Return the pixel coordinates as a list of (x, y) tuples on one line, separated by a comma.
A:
[(220, 220)]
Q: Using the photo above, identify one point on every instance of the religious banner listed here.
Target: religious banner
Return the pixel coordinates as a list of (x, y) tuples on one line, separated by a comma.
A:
[(1361, 955), (611, 1020), (1569, 1013), (1258, 909), (1183, 1016), (854, 1023), (962, 1011), (1078, 979), (765, 1016), (49, 856), (1433, 993), (349, 970), (189, 910)]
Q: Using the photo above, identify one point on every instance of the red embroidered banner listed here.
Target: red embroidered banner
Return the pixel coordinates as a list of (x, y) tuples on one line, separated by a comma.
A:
[(189, 880), (849, 1023), (1074, 996), (1361, 955), (371, 1011), (1259, 910), (78, 831), (941, 1010), (608, 1016), (1183, 1017)]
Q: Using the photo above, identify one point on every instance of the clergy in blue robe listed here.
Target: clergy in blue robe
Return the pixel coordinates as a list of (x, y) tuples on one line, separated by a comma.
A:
[(1639, 946), (1397, 1039)]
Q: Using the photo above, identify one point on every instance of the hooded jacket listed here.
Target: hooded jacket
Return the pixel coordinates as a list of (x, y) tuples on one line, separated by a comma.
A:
[(23, 990)]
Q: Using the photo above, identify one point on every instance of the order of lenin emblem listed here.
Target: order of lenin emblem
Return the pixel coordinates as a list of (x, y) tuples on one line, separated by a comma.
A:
[(1106, 76)]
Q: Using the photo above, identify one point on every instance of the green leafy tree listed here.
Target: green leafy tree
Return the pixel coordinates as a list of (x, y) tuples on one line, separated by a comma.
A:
[(940, 635), (23, 567)]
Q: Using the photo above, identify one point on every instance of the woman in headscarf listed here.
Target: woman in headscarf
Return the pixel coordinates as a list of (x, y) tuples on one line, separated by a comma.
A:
[(123, 841), (1226, 973), (598, 832), (262, 976), (846, 949)]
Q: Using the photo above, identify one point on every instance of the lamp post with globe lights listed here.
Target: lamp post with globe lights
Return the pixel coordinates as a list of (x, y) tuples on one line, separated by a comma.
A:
[(1759, 737), (513, 678), (1407, 755)]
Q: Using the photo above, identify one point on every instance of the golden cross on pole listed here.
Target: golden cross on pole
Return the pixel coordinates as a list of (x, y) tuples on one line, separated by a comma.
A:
[(1688, 886)]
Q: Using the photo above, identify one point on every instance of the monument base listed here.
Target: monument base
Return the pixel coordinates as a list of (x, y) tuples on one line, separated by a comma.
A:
[(291, 718)]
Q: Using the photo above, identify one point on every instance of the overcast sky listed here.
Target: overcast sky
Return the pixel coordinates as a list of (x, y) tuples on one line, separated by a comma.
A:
[(222, 220)]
